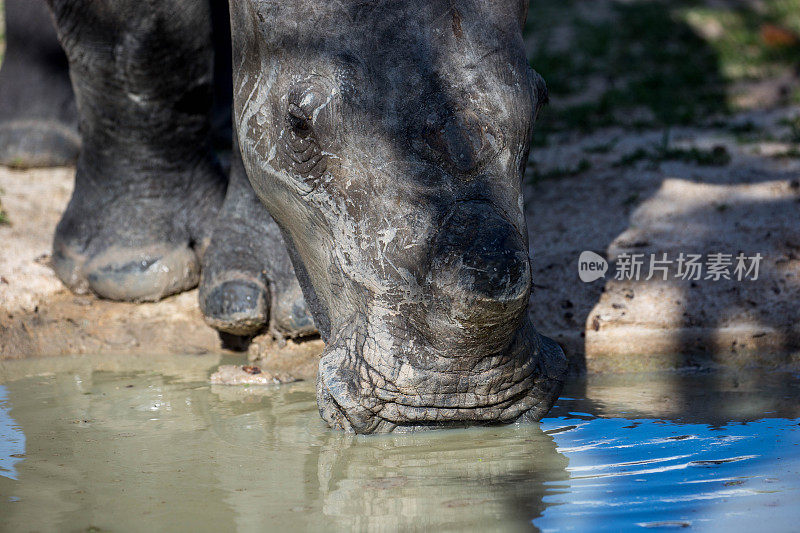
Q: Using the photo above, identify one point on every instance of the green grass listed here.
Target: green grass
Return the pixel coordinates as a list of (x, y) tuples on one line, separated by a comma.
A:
[(559, 172), (794, 129), (651, 63), (791, 153), (629, 159), (602, 148), (717, 156), (743, 128), (743, 53), (4, 220)]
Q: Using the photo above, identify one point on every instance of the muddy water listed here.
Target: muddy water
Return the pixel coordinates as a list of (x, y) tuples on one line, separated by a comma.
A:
[(143, 450)]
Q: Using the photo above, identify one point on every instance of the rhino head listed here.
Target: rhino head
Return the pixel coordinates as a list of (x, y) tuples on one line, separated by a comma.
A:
[(388, 139)]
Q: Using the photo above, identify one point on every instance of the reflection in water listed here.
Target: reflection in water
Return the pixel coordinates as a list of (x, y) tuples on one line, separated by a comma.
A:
[(143, 451), (299, 473), (438, 480), (653, 472), (12, 439)]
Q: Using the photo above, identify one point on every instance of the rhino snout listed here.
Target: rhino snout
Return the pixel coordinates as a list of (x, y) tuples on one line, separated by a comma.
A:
[(480, 261)]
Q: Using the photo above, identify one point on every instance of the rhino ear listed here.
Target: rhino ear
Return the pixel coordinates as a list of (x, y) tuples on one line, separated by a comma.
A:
[(539, 91)]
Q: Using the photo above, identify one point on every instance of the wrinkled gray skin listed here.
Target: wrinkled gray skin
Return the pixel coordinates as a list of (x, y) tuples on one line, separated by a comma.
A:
[(388, 141), (38, 119), (386, 138)]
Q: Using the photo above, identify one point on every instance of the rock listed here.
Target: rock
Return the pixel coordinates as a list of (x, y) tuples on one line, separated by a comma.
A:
[(298, 357), (248, 375)]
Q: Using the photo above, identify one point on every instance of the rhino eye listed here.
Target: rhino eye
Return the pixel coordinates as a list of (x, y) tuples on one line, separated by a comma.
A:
[(299, 121), (303, 157)]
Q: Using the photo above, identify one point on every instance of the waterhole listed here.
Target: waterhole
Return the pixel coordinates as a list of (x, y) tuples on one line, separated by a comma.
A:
[(93, 445)]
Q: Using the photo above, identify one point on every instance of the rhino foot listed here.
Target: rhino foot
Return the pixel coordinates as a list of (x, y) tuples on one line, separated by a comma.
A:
[(132, 244), (38, 118), (147, 186), (248, 283)]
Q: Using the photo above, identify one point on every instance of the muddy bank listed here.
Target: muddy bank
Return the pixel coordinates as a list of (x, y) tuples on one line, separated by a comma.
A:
[(39, 317), (695, 190)]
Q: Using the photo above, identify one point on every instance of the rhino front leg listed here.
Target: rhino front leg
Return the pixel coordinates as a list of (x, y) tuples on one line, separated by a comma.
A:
[(147, 188), (248, 281), (38, 119)]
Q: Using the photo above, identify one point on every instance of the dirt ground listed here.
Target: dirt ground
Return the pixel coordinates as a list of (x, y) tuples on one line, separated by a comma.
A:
[(39, 317), (642, 194)]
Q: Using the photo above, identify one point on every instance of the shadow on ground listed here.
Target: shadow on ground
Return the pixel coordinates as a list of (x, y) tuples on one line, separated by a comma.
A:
[(671, 129)]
